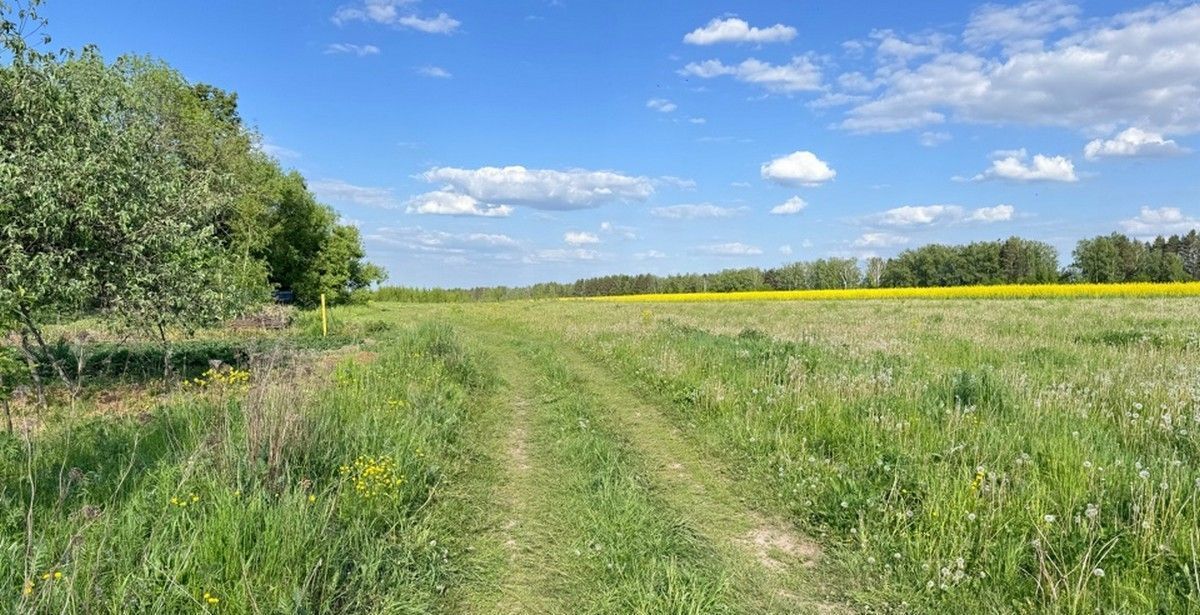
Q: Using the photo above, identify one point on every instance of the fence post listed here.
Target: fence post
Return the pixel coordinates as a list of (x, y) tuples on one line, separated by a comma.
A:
[(324, 318)]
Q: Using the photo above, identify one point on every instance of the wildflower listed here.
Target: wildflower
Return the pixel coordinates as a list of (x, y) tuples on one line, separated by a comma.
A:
[(312, 498), (1144, 474), (1049, 518), (1098, 572), (211, 599), (1092, 511)]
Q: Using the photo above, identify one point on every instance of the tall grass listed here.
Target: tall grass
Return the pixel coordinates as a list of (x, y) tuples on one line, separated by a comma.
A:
[(961, 456), (231, 500)]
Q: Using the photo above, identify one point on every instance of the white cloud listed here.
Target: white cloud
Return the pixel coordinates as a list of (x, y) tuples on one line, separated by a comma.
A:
[(436, 72), (928, 215), (442, 24), (349, 48), (801, 168), (893, 48), (338, 191), (661, 105), (933, 138), (879, 240), (785, 250), (649, 254), (448, 203), (580, 238), (797, 76), (734, 30), (1132, 142), (625, 232), (418, 240), (379, 11), (692, 212), (731, 249), (1013, 166), (793, 205), (278, 152), (681, 183), (542, 188), (697, 120), (999, 213), (1161, 221), (916, 215), (561, 255), (1140, 68), (388, 12), (1020, 26)]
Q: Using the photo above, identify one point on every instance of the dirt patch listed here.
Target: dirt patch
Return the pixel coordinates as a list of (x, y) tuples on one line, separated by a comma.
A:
[(517, 454), (776, 547)]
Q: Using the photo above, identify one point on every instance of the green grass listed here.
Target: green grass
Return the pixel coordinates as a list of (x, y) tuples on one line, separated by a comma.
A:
[(963, 456), (240, 495)]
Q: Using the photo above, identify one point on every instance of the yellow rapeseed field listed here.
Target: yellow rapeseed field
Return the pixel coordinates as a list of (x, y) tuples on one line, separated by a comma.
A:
[(1003, 291)]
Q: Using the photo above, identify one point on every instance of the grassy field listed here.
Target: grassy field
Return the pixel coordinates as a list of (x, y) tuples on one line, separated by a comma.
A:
[(954, 456)]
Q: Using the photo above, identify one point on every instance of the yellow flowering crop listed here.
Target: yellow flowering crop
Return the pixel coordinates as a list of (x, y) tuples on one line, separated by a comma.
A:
[(1000, 291)]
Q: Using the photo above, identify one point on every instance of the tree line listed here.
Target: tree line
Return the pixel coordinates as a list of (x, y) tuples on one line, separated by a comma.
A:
[(1106, 258), (128, 192)]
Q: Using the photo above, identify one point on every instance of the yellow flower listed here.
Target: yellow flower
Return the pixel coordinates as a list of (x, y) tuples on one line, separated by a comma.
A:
[(57, 574), (312, 498)]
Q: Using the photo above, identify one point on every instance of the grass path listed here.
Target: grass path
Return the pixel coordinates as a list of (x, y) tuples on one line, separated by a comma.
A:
[(604, 507)]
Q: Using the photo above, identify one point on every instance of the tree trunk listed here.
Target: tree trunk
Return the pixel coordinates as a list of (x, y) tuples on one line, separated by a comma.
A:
[(32, 328)]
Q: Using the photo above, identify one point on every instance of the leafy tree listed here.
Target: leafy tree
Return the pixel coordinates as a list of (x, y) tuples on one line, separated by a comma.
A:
[(101, 205)]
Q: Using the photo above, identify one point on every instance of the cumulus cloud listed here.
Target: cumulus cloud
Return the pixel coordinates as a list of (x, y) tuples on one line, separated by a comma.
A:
[(352, 49), (1132, 142), (542, 188), (1160, 221), (730, 249), (649, 254), (436, 72), (791, 206), (1140, 68), (928, 215), (442, 24), (580, 238), (1016, 166), (999, 213), (893, 48), (694, 211), (449, 203), (734, 30), (801, 168), (1021, 26), (801, 74), (388, 12), (661, 105), (879, 240), (338, 191)]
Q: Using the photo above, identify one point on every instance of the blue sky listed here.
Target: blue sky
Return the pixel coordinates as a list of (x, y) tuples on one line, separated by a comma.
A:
[(482, 142)]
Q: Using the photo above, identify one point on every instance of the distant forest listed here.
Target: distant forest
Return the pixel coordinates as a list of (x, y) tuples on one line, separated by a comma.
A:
[(1104, 259)]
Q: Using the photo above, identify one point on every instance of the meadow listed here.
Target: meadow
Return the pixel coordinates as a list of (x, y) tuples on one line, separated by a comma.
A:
[(959, 455)]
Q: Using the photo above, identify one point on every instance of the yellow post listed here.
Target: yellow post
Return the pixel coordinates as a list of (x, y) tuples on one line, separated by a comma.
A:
[(324, 318)]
